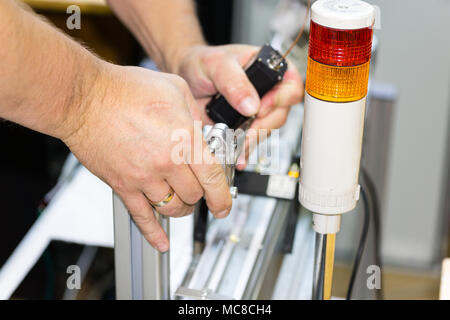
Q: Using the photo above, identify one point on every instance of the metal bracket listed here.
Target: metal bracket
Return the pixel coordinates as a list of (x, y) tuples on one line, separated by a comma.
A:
[(141, 271)]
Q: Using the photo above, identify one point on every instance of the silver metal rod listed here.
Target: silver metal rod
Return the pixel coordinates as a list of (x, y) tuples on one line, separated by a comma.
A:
[(319, 267), (164, 262)]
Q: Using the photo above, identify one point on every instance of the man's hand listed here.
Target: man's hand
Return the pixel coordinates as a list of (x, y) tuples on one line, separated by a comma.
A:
[(118, 121), (209, 70), (124, 137)]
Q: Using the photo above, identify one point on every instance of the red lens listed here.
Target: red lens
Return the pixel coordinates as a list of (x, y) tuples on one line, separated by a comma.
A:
[(340, 48)]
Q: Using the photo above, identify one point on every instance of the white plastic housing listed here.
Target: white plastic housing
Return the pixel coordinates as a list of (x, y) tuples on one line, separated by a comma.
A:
[(331, 154), (326, 224)]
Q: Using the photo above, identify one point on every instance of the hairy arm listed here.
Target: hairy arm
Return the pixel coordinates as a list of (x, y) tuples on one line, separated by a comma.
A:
[(164, 28), (45, 77), (118, 121)]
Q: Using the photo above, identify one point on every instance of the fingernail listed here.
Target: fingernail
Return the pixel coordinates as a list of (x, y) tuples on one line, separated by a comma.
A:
[(240, 166), (249, 106), (241, 161), (222, 214), (162, 246)]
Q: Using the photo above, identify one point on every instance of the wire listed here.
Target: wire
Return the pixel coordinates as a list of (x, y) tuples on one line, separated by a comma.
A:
[(362, 244), (84, 262), (300, 33), (375, 205)]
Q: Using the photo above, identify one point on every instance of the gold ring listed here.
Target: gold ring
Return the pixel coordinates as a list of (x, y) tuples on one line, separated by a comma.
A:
[(165, 201)]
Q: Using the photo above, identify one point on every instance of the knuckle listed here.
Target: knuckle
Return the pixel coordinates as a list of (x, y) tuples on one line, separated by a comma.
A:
[(181, 84), (162, 163), (141, 177), (137, 209), (141, 219), (233, 89), (194, 197), (119, 187), (197, 196), (174, 210), (212, 57), (215, 177), (155, 237), (238, 89)]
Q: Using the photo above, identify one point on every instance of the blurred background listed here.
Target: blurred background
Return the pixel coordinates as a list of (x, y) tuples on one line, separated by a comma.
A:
[(406, 143)]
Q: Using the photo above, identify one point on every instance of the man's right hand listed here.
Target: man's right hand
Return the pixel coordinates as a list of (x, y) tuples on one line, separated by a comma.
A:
[(118, 121), (122, 133)]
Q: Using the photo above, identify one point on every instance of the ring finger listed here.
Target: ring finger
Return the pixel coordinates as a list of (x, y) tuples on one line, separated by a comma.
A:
[(172, 206)]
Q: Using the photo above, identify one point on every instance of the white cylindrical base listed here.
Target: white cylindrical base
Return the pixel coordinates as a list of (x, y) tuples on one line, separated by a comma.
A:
[(331, 154), (326, 224)]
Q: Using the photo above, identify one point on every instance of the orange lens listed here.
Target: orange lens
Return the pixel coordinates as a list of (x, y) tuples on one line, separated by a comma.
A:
[(337, 84)]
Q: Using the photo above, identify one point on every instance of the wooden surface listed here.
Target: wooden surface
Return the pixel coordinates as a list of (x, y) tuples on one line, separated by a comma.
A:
[(397, 283), (87, 6), (445, 280)]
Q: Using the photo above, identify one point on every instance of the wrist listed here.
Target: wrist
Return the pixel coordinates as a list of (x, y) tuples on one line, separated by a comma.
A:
[(88, 88)]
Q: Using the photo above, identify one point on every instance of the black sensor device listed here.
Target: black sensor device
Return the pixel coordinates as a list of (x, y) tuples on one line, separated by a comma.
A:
[(264, 73)]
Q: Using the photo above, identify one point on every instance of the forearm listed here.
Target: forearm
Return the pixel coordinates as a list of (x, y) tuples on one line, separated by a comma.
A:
[(45, 77), (164, 28)]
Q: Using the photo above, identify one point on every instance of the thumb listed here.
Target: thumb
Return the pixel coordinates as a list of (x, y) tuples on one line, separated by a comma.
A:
[(232, 82)]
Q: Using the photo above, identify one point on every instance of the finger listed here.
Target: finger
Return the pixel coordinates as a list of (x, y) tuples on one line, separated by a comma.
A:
[(186, 185), (287, 93), (208, 173), (274, 120), (231, 81), (212, 178), (158, 191), (144, 217), (250, 143), (202, 102), (244, 53)]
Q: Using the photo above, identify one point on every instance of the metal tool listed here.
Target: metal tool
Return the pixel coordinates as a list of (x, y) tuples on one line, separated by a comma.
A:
[(222, 142)]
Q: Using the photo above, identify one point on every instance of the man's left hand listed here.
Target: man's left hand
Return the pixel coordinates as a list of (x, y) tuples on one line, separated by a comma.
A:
[(209, 70)]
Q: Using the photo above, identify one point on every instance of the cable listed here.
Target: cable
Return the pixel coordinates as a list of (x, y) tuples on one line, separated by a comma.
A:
[(84, 262), (375, 205), (362, 244), (300, 33)]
